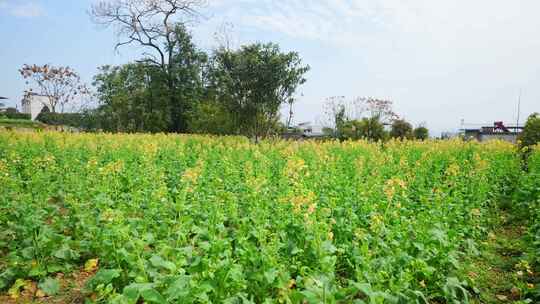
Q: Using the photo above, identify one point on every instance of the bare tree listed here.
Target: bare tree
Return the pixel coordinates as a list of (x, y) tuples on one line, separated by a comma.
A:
[(152, 24), (224, 36), (380, 108), (335, 111), (149, 23), (61, 85)]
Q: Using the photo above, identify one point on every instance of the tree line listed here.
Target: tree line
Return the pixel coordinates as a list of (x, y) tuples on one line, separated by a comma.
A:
[(368, 118), (177, 87)]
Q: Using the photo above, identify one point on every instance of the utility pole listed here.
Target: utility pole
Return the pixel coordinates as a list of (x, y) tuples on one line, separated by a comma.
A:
[(519, 110)]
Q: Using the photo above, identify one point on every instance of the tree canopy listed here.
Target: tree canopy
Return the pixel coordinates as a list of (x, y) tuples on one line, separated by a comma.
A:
[(253, 82), (421, 133), (401, 129), (531, 132), (159, 27)]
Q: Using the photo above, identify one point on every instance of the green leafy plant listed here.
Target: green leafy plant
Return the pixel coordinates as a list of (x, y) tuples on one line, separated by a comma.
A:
[(187, 219)]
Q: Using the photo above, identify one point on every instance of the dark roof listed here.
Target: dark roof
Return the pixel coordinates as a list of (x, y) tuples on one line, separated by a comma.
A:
[(3, 97)]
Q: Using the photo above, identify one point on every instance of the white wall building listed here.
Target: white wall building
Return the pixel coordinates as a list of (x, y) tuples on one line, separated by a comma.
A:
[(34, 104), (309, 130)]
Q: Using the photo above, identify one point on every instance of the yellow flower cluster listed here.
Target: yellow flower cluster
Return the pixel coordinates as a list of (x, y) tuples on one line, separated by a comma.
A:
[(300, 202), (4, 173), (112, 168), (92, 163), (191, 176), (452, 170), (392, 185), (480, 163), (294, 169), (112, 216), (44, 162), (377, 222)]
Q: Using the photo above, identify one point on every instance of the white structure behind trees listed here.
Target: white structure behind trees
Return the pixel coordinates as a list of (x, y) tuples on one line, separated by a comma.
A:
[(33, 104)]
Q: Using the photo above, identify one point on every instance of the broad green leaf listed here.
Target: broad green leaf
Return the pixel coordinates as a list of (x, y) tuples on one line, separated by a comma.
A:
[(152, 296), (271, 275), (158, 261), (178, 289), (103, 276)]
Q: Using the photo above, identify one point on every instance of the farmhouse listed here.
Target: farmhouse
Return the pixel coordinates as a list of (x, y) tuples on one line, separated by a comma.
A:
[(33, 104)]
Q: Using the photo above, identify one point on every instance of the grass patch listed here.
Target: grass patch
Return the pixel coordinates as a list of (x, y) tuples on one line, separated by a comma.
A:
[(501, 272)]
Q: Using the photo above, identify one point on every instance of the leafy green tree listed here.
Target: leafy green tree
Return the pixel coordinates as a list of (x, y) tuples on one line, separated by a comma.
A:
[(373, 129), (401, 129), (136, 97), (210, 117), (369, 128), (363, 117), (252, 83), (158, 27), (421, 133), (351, 129), (531, 132), (185, 79), (132, 98)]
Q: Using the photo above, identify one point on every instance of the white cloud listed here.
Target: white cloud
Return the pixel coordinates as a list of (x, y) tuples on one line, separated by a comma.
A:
[(348, 22), (23, 9), (329, 21)]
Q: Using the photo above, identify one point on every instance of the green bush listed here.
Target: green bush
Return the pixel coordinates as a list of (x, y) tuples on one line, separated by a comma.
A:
[(531, 132), (210, 117), (421, 133), (366, 128), (16, 115), (76, 120), (401, 129)]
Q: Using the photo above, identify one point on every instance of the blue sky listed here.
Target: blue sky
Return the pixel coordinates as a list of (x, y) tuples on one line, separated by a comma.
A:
[(439, 61)]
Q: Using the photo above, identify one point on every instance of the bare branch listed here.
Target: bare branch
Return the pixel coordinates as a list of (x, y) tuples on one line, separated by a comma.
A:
[(150, 23), (61, 85)]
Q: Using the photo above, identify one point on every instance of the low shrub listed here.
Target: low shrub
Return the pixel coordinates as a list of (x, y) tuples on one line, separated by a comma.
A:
[(16, 115), (76, 120)]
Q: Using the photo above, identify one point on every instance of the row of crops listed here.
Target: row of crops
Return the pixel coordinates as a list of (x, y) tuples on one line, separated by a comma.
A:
[(188, 219), (527, 199)]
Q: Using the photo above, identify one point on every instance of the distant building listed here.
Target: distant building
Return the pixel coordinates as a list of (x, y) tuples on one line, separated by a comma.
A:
[(34, 104), (305, 130), (309, 130), (449, 135), (497, 131)]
